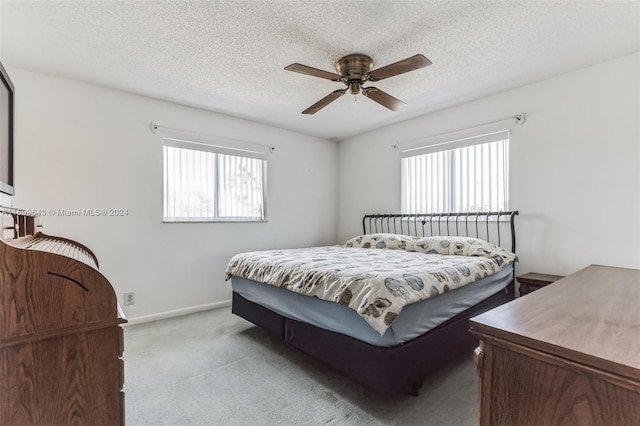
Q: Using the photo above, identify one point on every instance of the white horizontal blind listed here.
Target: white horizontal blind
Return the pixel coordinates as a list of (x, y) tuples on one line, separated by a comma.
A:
[(470, 175), (201, 184)]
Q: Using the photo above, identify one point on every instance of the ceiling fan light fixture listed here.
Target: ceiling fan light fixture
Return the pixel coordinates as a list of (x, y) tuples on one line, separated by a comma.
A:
[(354, 87)]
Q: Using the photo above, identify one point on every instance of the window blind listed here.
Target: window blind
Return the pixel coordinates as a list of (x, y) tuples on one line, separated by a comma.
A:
[(211, 183), (464, 175)]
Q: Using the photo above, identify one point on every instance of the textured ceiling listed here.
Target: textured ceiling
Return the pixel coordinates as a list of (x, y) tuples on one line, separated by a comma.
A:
[(228, 56)]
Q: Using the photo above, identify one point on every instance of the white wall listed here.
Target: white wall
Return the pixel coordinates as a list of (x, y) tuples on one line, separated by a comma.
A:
[(574, 162), (575, 166), (80, 146)]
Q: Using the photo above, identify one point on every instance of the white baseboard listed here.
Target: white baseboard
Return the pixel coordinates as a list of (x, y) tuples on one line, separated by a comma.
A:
[(177, 312)]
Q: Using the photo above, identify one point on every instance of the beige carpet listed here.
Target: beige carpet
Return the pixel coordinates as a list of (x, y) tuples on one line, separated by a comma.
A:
[(213, 368)]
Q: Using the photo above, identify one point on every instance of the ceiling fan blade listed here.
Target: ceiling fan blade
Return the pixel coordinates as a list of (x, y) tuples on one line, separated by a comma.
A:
[(314, 72), (383, 98), (400, 67), (324, 101)]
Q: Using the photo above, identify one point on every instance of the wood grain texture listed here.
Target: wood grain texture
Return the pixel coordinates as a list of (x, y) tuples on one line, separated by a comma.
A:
[(531, 392), (60, 336), (582, 317), (74, 380), (568, 354)]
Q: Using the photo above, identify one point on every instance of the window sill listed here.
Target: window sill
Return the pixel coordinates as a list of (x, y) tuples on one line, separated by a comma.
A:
[(214, 221)]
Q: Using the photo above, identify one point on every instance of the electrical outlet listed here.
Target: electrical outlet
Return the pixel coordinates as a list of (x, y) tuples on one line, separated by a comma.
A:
[(129, 298)]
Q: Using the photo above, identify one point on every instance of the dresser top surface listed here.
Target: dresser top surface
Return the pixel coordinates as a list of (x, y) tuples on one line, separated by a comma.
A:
[(592, 316)]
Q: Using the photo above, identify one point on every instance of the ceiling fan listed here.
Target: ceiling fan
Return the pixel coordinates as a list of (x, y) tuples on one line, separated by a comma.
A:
[(357, 69)]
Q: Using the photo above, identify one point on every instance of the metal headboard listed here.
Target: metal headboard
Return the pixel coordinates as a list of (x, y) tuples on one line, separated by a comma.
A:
[(484, 225)]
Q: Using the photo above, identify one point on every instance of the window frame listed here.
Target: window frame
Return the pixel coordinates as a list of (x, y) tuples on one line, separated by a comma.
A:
[(218, 147), (442, 145)]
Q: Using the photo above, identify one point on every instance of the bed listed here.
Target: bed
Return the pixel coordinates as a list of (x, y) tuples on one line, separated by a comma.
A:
[(350, 307)]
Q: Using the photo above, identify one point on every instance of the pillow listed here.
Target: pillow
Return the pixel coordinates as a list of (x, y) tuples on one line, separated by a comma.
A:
[(460, 246), (388, 241)]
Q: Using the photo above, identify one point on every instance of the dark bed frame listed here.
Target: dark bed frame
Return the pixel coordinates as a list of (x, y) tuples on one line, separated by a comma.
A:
[(399, 368)]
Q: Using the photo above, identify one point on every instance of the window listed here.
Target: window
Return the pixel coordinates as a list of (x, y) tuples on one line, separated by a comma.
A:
[(209, 183), (465, 175)]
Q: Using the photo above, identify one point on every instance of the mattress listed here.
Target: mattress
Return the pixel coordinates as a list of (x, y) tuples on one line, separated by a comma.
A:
[(414, 320)]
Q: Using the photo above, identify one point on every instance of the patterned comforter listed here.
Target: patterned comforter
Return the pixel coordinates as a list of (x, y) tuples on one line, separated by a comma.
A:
[(377, 284)]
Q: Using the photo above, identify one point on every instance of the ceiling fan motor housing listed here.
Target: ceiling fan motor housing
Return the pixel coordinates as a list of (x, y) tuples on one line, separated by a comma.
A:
[(355, 70)]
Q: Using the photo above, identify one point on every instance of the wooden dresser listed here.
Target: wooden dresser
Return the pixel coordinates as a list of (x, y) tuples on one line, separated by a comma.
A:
[(567, 354), (61, 340)]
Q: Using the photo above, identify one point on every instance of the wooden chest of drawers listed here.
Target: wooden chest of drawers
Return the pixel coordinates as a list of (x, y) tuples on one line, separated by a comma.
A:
[(565, 354)]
